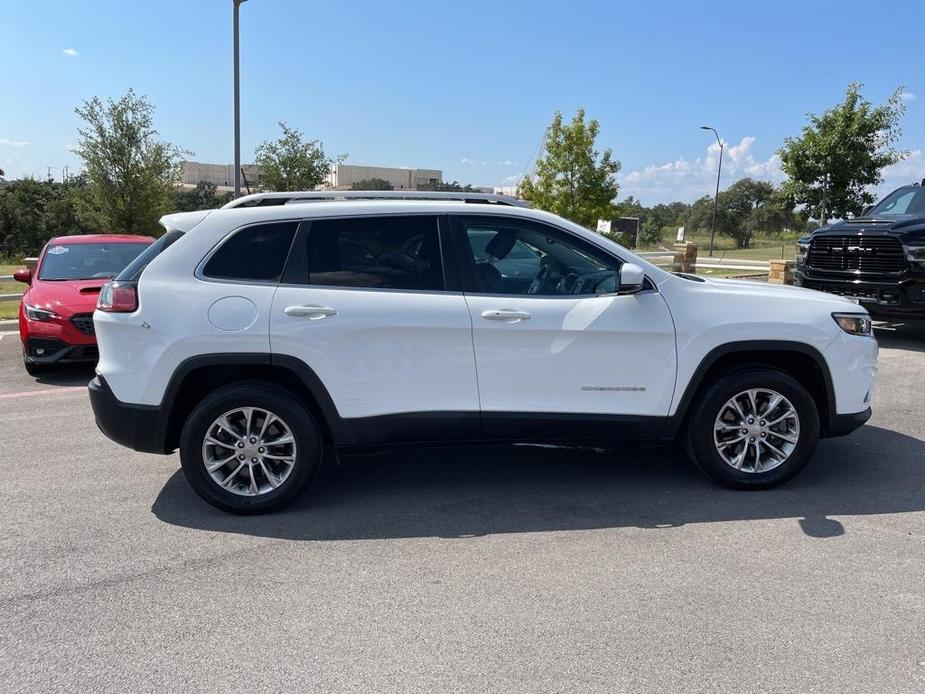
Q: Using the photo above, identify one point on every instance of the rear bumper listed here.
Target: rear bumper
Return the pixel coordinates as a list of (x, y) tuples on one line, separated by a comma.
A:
[(139, 427), (844, 424)]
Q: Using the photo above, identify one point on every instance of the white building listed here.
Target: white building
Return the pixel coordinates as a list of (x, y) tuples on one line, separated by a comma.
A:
[(222, 175), (343, 176)]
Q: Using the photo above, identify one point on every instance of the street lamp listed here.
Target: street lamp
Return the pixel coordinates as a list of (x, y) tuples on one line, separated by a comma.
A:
[(718, 172), (237, 104)]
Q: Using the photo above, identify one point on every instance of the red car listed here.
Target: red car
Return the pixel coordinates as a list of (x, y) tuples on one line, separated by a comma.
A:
[(56, 311)]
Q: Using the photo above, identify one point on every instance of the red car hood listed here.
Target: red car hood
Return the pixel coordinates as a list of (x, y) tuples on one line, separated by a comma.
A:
[(65, 297)]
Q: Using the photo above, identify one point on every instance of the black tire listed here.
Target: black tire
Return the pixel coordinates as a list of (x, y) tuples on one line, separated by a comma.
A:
[(297, 417), (700, 442)]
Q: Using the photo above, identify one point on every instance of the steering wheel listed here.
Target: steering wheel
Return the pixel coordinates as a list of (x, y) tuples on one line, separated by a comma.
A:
[(536, 286)]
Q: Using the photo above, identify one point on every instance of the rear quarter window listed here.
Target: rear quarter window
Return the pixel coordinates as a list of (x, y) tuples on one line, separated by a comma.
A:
[(255, 253)]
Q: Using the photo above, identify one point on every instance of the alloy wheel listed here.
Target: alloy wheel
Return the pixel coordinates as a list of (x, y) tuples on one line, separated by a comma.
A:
[(249, 451)]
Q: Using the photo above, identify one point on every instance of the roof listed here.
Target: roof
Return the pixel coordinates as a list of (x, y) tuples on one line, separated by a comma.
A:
[(303, 196), (102, 238)]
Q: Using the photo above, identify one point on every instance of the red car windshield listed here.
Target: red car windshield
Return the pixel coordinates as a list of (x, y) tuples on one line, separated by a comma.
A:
[(87, 261)]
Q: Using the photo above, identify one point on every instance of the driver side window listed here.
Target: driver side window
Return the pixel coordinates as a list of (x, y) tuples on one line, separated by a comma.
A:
[(513, 256)]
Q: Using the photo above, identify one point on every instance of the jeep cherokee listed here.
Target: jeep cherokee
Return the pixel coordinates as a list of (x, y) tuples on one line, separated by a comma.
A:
[(256, 337)]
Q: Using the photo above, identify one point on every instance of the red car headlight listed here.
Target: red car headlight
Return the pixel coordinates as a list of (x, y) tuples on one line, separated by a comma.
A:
[(39, 314)]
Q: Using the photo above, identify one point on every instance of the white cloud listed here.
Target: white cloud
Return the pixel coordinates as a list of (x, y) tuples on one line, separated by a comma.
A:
[(466, 160), (908, 96), (14, 143), (909, 170), (70, 52), (512, 180), (688, 180), (508, 162)]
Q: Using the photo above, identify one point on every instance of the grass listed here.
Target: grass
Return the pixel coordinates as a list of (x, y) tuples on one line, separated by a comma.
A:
[(724, 248), (9, 309)]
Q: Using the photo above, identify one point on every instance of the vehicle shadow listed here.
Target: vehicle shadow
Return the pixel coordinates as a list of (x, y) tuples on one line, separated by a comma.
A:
[(464, 492), (67, 375)]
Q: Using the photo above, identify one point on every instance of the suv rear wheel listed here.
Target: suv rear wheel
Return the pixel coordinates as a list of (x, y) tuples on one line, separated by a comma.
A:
[(250, 448), (757, 428)]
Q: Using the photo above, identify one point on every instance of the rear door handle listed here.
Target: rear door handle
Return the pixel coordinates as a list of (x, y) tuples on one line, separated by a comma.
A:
[(506, 315), (310, 312)]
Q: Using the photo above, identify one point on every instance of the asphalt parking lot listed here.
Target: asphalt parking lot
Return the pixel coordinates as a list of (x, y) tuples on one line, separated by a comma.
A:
[(503, 569)]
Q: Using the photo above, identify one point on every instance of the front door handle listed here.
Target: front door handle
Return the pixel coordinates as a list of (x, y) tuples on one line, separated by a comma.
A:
[(506, 315), (310, 312)]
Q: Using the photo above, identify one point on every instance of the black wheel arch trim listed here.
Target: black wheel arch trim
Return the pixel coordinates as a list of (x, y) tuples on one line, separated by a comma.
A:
[(675, 421), (340, 430)]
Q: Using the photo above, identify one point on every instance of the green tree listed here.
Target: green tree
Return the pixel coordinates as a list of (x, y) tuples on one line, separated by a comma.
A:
[(32, 211), (204, 196), (573, 179), (449, 187), (131, 173), (292, 163), (373, 184), (841, 153), (743, 210)]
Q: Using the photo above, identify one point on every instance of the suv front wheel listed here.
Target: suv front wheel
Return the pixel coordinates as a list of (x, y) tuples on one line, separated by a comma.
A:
[(756, 428), (250, 448)]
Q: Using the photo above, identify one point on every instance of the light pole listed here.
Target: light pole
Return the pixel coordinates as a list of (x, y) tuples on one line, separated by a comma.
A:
[(237, 103), (719, 170)]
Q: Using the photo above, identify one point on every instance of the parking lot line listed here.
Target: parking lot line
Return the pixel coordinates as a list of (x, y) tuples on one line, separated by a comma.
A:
[(46, 391)]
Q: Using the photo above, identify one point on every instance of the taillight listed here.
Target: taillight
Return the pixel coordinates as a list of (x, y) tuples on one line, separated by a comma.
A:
[(118, 297)]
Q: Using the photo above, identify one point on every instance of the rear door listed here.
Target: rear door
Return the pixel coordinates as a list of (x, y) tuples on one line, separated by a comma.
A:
[(367, 303), (556, 345)]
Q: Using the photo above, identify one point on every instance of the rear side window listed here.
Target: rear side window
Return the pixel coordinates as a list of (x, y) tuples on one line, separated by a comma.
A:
[(256, 253), (375, 252)]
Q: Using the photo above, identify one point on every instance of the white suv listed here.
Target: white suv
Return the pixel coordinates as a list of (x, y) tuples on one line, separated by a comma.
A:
[(255, 337)]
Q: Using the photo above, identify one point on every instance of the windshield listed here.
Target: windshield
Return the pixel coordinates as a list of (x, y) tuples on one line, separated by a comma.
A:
[(87, 261), (899, 202)]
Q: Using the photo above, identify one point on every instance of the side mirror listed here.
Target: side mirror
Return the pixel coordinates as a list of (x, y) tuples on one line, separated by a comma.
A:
[(632, 278), (23, 275)]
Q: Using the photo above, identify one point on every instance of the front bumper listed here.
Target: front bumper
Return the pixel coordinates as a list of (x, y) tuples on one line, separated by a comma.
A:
[(900, 298), (45, 350), (139, 427)]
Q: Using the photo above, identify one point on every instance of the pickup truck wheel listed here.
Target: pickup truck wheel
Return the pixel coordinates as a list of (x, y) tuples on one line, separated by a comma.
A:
[(757, 428), (250, 448)]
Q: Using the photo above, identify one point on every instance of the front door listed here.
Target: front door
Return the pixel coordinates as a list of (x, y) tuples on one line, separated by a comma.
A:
[(556, 346)]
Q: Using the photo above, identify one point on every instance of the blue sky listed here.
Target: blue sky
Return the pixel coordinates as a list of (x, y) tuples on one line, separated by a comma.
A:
[(464, 87)]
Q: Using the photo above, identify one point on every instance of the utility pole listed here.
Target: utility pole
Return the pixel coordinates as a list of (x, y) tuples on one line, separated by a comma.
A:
[(237, 103), (719, 170)]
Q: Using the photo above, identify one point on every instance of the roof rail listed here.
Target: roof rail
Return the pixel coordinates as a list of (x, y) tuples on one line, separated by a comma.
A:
[(266, 199)]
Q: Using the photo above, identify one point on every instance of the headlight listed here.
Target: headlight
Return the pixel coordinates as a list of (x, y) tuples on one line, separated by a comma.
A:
[(40, 314), (853, 323), (915, 254), (802, 249)]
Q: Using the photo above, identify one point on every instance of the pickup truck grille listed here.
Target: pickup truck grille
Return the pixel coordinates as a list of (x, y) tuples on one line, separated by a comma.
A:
[(83, 322), (874, 254)]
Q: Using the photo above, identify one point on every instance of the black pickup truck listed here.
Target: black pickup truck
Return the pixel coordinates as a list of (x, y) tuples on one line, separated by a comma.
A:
[(877, 258)]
